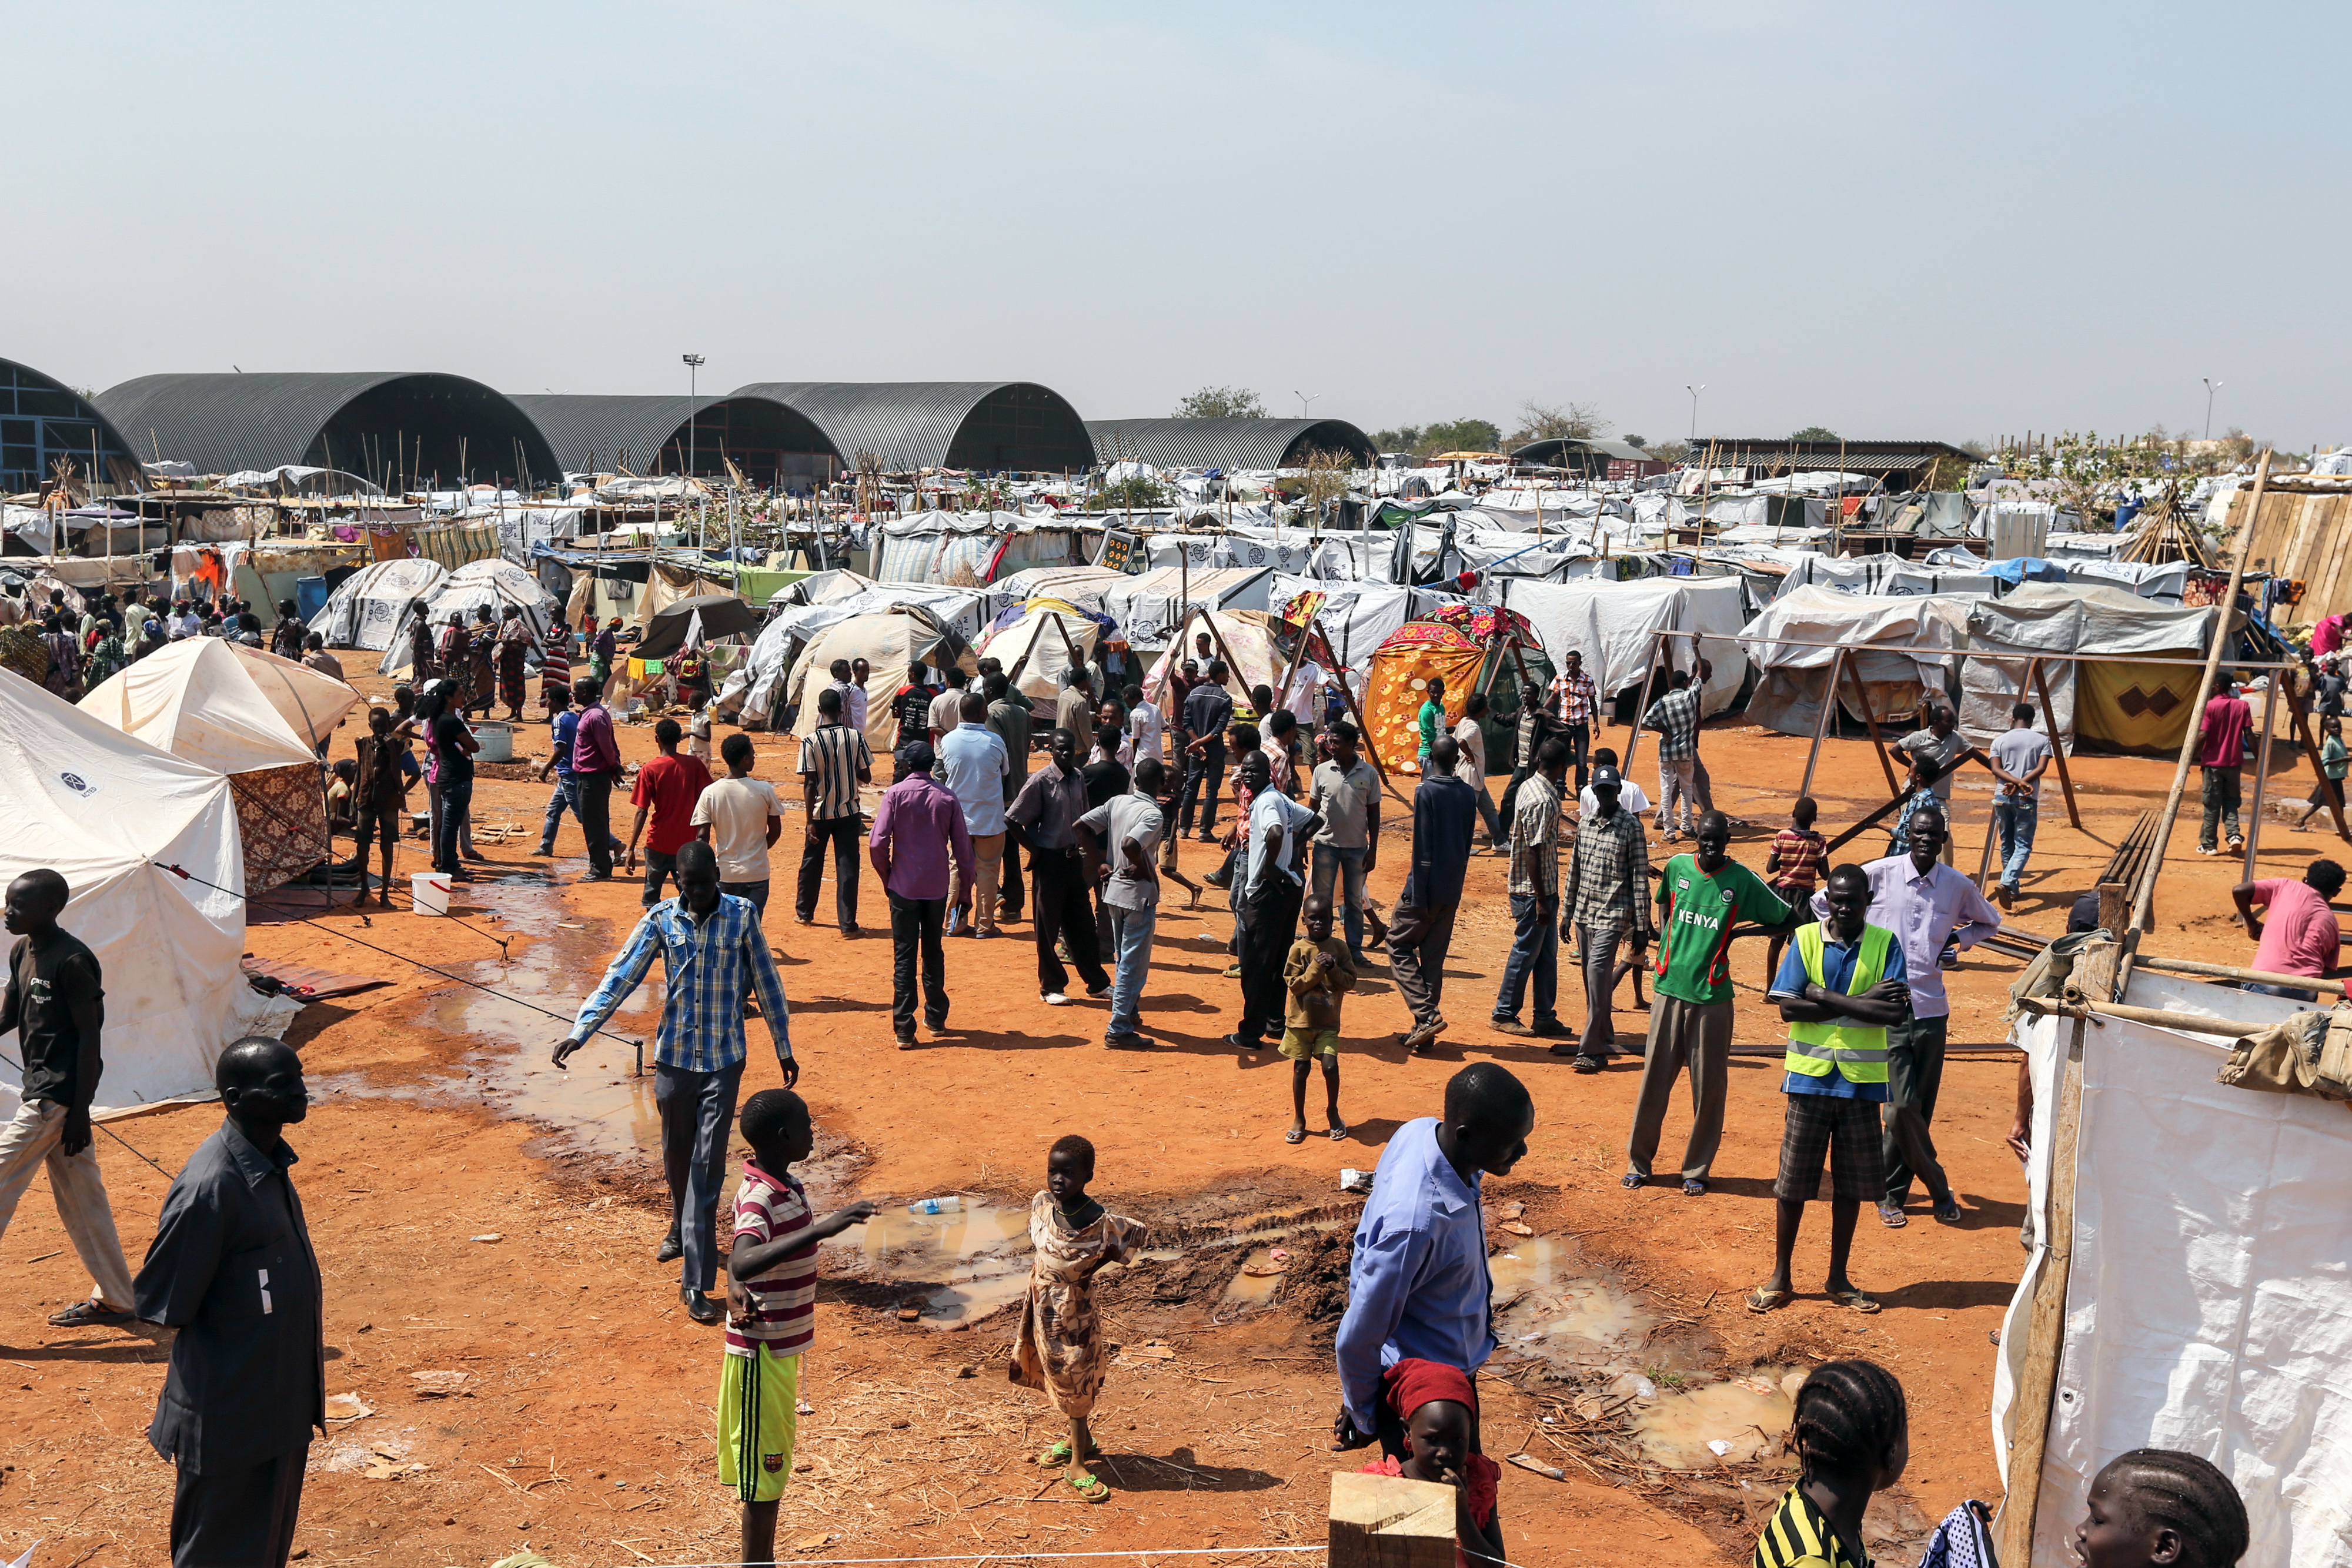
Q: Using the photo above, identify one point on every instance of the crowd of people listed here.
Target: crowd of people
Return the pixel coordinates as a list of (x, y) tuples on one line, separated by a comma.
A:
[(72, 645)]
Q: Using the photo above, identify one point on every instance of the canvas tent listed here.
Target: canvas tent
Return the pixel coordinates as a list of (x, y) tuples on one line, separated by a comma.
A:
[(1082, 586), (2132, 706), (1037, 642), (369, 606), (1614, 626), (1246, 638), (108, 812), (1819, 623), (755, 690), (1148, 608), (1472, 648), (251, 716), (2206, 1304), (493, 582), (1884, 576), (968, 549), (890, 641)]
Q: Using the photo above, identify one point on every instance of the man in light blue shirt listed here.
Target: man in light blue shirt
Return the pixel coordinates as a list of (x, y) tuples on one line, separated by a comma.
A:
[(1417, 1284), (975, 767)]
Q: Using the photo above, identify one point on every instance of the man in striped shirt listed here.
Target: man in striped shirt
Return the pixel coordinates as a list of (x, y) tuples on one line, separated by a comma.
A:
[(834, 762), (713, 956), (1580, 700)]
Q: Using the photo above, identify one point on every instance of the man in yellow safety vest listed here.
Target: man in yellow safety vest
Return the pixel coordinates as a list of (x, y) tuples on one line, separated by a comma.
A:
[(1843, 982)]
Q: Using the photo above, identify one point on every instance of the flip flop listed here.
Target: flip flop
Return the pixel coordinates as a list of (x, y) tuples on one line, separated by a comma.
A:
[(1854, 1301), (1089, 1487), (1295, 1136), (1055, 1457), (1338, 1131), (1764, 1299)]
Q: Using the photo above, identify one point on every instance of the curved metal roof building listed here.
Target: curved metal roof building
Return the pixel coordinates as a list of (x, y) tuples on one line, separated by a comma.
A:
[(772, 443), (1227, 443), (391, 427), (994, 426), (42, 420)]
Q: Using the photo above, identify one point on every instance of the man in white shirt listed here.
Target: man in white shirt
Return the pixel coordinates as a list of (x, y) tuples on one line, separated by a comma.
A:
[(1269, 891), (1145, 728), (853, 696), (977, 767), (1630, 797), (740, 817), (1304, 696), (1470, 736)]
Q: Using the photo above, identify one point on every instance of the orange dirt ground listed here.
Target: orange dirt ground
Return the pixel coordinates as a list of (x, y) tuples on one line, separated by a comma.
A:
[(478, 1213)]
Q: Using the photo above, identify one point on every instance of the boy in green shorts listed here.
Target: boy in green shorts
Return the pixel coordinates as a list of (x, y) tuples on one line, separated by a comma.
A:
[(1316, 970), (771, 1310)]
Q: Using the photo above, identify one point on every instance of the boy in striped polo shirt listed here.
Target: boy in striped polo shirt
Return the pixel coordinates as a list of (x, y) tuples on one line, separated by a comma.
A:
[(771, 1310)]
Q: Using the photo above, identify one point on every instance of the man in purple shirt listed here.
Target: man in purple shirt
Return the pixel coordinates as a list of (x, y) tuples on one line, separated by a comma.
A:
[(595, 769), (918, 822)]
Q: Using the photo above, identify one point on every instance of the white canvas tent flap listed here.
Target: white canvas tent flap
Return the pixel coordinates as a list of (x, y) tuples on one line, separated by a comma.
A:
[(366, 607), (755, 689), (1035, 645), (1148, 608), (108, 812), (2207, 1308), (1357, 617), (2060, 618), (493, 582), (224, 705), (890, 642), (1613, 625), (1793, 681)]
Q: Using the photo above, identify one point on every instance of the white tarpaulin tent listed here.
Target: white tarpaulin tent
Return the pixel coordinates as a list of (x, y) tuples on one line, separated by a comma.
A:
[(106, 810), (494, 582), (2065, 618), (1357, 617), (367, 607), (1882, 576), (1034, 645), (1148, 608), (890, 642), (1249, 642), (1793, 681), (1613, 624), (2207, 1307), (754, 690)]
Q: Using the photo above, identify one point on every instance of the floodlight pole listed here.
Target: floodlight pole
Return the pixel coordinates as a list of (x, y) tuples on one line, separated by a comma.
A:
[(2211, 386), (693, 364), (1304, 399), (1693, 391)]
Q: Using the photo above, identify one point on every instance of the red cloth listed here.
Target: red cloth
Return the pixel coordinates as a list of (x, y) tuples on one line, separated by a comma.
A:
[(670, 785), (1414, 1383), (2227, 719)]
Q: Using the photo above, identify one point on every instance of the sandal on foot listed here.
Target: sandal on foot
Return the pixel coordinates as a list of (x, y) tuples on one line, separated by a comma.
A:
[(1055, 1457), (1338, 1131), (84, 1314), (1294, 1135), (1854, 1300), (1764, 1298), (1090, 1488)]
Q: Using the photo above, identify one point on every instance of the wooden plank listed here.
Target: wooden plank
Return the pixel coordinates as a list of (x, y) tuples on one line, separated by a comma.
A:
[(2045, 1332), (1878, 743), (1387, 1521), (2300, 710)]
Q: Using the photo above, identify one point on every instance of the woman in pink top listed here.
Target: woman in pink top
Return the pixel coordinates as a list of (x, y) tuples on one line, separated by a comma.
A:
[(2300, 937)]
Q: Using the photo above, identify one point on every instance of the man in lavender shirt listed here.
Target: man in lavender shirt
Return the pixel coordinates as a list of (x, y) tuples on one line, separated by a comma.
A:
[(918, 823), (1927, 904)]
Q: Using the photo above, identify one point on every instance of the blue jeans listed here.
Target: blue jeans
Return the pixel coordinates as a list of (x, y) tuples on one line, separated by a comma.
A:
[(1130, 932), (697, 1110), (1535, 950), (2015, 816), (2289, 992), (1330, 860)]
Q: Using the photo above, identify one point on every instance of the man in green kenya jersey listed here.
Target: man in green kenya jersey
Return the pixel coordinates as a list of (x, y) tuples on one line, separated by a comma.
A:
[(1701, 898)]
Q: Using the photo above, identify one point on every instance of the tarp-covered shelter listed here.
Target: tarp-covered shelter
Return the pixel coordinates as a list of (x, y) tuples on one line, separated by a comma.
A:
[(1038, 641), (1615, 624), (2129, 707), (2207, 1307), (1245, 637), (252, 716), (494, 583), (1793, 681), (108, 812), (367, 607), (719, 615), (968, 549), (1356, 616), (1885, 576), (1471, 647), (1149, 609), (1083, 586), (754, 692), (890, 641)]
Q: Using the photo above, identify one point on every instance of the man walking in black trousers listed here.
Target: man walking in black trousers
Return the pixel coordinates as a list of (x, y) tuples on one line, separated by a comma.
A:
[(1046, 813), (1266, 907), (834, 762), (1208, 709)]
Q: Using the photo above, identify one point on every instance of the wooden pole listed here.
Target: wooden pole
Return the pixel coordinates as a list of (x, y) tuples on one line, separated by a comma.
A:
[(2261, 774), (2221, 642), (1387, 1521), (2232, 972), (2045, 1333), (2299, 716), (1862, 701), (2041, 682), (1821, 726)]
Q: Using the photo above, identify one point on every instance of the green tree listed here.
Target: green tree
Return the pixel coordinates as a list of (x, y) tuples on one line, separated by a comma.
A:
[(1221, 402), (1460, 436), (1548, 421), (1815, 432), (1403, 438), (1136, 492), (1632, 440)]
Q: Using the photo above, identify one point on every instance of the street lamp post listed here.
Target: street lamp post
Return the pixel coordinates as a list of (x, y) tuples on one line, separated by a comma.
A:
[(2211, 386), (693, 364), (1693, 391), (1304, 399)]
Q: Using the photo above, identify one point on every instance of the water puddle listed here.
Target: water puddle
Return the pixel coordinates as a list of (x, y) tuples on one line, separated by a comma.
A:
[(1697, 1428), (1546, 1308), (1261, 1274), (966, 1263)]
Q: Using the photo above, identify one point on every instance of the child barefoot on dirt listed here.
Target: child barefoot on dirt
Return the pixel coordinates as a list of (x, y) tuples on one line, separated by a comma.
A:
[(771, 1310), (1316, 970), (1851, 1437), (1437, 1409), (1059, 1347)]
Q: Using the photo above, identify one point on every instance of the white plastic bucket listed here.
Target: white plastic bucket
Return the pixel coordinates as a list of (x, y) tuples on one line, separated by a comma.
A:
[(496, 742), (429, 892)]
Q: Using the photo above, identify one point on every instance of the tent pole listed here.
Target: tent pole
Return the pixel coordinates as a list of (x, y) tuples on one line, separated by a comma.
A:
[(2057, 751), (1862, 701), (1821, 725), (2299, 716), (2221, 641), (1641, 704), (2261, 774), (2046, 1324), (1364, 732)]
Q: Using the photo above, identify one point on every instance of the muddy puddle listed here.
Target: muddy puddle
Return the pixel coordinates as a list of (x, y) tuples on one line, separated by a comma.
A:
[(1548, 1306), (965, 1263), (1700, 1425)]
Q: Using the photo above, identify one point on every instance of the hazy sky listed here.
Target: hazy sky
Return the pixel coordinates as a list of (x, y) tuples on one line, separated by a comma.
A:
[(1906, 220)]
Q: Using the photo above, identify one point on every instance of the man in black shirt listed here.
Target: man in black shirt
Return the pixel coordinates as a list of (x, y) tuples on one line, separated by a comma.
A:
[(232, 1268), (56, 1002), (1207, 708), (913, 706), (1444, 819)]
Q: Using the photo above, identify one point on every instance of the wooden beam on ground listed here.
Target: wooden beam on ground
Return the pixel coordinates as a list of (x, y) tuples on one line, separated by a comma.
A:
[(1821, 726), (2045, 1331), (2040, 683), (1387, 1521), (2220, 642)]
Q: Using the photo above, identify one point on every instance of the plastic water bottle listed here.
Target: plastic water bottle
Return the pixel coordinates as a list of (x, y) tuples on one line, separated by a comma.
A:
[(950, 1204)]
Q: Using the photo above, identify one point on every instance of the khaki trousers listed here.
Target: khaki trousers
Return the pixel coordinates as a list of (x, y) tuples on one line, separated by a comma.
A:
[(988, 851), (33, 1138), (1682, 1035)]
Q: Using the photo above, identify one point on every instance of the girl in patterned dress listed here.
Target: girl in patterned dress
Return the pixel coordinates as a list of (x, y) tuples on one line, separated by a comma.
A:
[(1059, 1347)]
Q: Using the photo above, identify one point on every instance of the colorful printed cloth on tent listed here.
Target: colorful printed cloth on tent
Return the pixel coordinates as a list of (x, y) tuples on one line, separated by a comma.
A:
[(1483, 621), (1407, 660), (281, 815)]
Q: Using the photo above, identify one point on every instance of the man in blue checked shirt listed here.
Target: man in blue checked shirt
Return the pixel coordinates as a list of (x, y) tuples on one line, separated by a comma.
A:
[(713, 956)]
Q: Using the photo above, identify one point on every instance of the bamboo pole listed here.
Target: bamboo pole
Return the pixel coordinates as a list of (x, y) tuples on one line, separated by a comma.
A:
[(2299, 717), (1862, 701), (2231, 972), (2221, 642), (2261, 774), (2045, 1332)]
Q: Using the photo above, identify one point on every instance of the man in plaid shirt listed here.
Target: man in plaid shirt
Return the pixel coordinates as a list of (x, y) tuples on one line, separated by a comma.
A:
[(1675, 719), (713, 956), (1580, 700), (1607, 901)]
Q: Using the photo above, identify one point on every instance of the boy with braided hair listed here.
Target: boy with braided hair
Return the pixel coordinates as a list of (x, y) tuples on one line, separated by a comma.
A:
[(2158, 1508), (1852, 1437)]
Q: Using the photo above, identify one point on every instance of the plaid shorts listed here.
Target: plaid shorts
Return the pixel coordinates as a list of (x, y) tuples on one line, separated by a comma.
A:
[(1844, 1131)]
